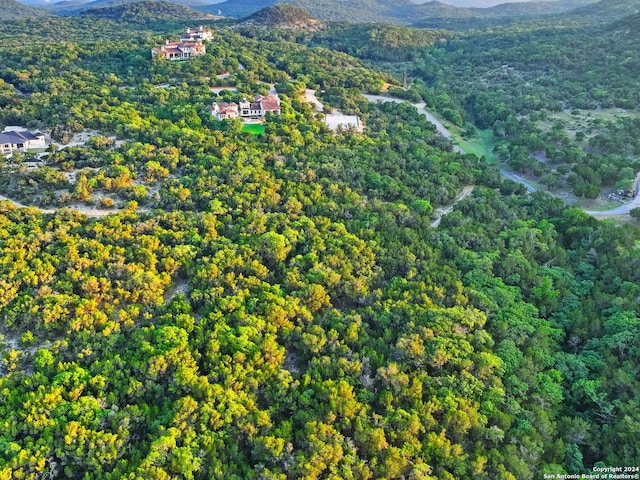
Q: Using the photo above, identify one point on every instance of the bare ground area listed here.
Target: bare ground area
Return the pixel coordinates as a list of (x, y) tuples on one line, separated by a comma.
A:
[(180, 287), (439, 212)]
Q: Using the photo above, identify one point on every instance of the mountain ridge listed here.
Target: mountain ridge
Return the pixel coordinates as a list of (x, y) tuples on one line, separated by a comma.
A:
[(401, 12), (141, 11), (608, 10), (283, 15), (489, 3), (72, 7), (10, 10)]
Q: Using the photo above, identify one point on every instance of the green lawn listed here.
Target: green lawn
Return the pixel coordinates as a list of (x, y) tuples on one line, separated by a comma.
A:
[(254, 128), (481, 144)]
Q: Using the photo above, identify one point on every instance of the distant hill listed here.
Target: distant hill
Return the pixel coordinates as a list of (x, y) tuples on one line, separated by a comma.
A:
[(10, 9), (237, 8), (379, 42), (537, 8), (495, 3), (465, 3), (354, 11), (145, 11), (359, 11), (629, 25), (403, 12), (283, 16), (71, 7), (436, 9), (609, 10), (435, 14), (66, 5)]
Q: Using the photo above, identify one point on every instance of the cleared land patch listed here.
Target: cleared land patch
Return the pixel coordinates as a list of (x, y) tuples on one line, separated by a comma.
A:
[(590, 122)]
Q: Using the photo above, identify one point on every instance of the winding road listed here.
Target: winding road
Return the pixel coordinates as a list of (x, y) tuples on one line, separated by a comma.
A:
[(518, 179), (621, 210), (442, 130), (310, 97)]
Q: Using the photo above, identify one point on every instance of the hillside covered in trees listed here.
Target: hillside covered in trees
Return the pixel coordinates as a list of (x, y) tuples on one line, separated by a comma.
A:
[(10, 9), (406, 12), (293, 303), (146, 11), (282, 16)]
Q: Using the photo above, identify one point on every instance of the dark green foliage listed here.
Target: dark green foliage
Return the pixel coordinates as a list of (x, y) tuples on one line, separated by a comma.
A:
[(378, 42), (607, 10), (238, 8), (516, 79), (629, 25)]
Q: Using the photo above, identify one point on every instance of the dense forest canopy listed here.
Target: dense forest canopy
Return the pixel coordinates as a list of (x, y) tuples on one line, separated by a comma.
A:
[(281, 304)]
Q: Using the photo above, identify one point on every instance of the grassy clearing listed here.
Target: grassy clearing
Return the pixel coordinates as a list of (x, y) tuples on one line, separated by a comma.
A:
[(480, 144), (254, 128)]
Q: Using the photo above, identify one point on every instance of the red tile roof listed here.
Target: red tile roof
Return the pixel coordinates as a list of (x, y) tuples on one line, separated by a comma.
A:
[(270, 103)]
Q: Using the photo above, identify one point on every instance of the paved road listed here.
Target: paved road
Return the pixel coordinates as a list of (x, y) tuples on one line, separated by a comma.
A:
[(336, 119), (518, 179), (442, 130), (621, 210)]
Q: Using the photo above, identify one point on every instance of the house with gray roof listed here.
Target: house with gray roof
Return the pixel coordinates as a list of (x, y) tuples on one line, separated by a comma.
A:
[(18, 139)]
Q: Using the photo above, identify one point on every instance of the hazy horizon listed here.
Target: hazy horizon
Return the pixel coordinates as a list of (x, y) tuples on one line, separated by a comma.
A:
[(478, 3), (454, 3)]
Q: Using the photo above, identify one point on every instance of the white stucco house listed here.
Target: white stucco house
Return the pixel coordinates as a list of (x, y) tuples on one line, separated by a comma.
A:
[(20, 139)]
